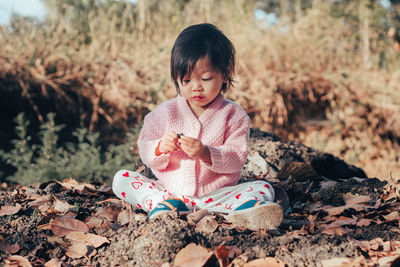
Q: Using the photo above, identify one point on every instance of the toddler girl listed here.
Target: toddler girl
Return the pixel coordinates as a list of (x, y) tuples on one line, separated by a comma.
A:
[(197, 143)]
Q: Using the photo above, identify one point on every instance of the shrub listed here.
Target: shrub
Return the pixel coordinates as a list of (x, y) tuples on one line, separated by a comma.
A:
[(83, 160)]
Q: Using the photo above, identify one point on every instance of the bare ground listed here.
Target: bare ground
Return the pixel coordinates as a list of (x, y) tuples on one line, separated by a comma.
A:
[(334, 215)]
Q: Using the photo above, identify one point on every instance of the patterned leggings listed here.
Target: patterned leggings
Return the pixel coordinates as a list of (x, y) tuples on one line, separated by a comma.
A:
[(146, 193)]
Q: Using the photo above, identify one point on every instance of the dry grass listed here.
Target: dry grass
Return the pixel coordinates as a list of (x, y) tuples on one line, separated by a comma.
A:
[(304, 80)]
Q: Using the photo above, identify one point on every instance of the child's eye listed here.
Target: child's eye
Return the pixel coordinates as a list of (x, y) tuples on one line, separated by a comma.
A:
[(207, 79), (186, 81)]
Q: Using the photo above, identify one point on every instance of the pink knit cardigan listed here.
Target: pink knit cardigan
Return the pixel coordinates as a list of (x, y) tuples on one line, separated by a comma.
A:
[(223, 127)]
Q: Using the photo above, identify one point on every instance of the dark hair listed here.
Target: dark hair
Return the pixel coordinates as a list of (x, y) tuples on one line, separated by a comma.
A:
[(201, 40)]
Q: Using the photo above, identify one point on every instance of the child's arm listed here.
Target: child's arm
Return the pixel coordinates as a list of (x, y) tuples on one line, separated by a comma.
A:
[(231, 156), (150, 138)]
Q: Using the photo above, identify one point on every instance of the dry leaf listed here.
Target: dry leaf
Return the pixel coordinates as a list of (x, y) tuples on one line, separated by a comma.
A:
[(73, 184), (222, 254), (265, 262), (87, 238), (364, 222), (350, 199), (61, 226), (6, 247), (393, 216), (17, 261), (334, 231), (77, 250), (61, 205), (192, 256), (195, 217), (40, 201), (335, 262), (207, 225), (53, 263), (93, 222), (108, 213), (9, 210), (126, 216)]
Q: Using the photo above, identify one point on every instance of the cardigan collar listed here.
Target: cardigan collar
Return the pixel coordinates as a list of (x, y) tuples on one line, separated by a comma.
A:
[(209, 112)]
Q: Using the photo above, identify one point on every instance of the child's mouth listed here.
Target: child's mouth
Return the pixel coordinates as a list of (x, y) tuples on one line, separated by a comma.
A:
[(198, 98)]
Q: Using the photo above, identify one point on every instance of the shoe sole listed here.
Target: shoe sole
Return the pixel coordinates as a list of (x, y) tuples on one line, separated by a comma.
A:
[(266, 216)]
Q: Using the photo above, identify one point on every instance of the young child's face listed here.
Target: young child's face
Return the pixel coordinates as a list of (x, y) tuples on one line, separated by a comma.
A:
[(202, 86)]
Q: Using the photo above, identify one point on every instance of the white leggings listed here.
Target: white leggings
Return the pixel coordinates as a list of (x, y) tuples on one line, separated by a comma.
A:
[(145, 193)]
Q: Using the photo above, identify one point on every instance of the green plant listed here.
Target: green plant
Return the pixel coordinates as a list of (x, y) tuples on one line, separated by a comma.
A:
[(83, 160)]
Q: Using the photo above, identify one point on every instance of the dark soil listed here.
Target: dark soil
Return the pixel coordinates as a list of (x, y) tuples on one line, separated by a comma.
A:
[(332, 211)]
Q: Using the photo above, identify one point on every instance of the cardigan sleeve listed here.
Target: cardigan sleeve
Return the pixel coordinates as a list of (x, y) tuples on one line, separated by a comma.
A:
[(151, 133), (231, 156)]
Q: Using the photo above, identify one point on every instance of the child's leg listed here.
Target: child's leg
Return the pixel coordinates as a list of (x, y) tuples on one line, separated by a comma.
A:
[(248, 205), (138, 190), (227, 199)]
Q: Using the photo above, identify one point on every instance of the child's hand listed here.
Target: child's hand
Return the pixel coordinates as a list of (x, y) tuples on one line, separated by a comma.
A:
[(169, 143), (194, 148)]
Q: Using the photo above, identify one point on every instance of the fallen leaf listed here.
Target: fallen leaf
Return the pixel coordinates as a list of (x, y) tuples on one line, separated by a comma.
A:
[(334, 231), (126, 216), (73, 184), (350, 199), (192, 256), (265, 262), (77, 250), (61, 226), (335, 262), (45, 222), (93, 222), (9, 210), (195, 217), (40, 201), (393, 216), (222, 254), (364, 222), (207, 225), (6, 247), (87, 238), (53, 263), (17, 261), (61, 205), (108, 213)]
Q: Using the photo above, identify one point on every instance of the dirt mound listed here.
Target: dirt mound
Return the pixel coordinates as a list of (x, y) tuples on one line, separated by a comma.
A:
[(332, 213)]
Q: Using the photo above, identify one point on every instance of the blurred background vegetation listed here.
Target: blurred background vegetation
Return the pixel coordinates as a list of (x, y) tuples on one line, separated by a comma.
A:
[(324, 73)]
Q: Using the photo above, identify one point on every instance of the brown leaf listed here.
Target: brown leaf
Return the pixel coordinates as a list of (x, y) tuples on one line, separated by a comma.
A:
[(335, 262), (195, 217), (61, 205), (265, 262), (334, 231), (393, 216), (9, 210), (207, 225), (53, 263), (192, 256), (45, 222), (355, 199), (93, 222), (6, 247), (17, 261), (73, 184), (40, 201), (61, 226), (108, 213), (87, 238), (126, 216), (222, 254), (364, 222), (77, 250)]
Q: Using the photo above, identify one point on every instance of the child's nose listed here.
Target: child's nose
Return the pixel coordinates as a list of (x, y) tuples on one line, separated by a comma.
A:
[(197, 87)]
